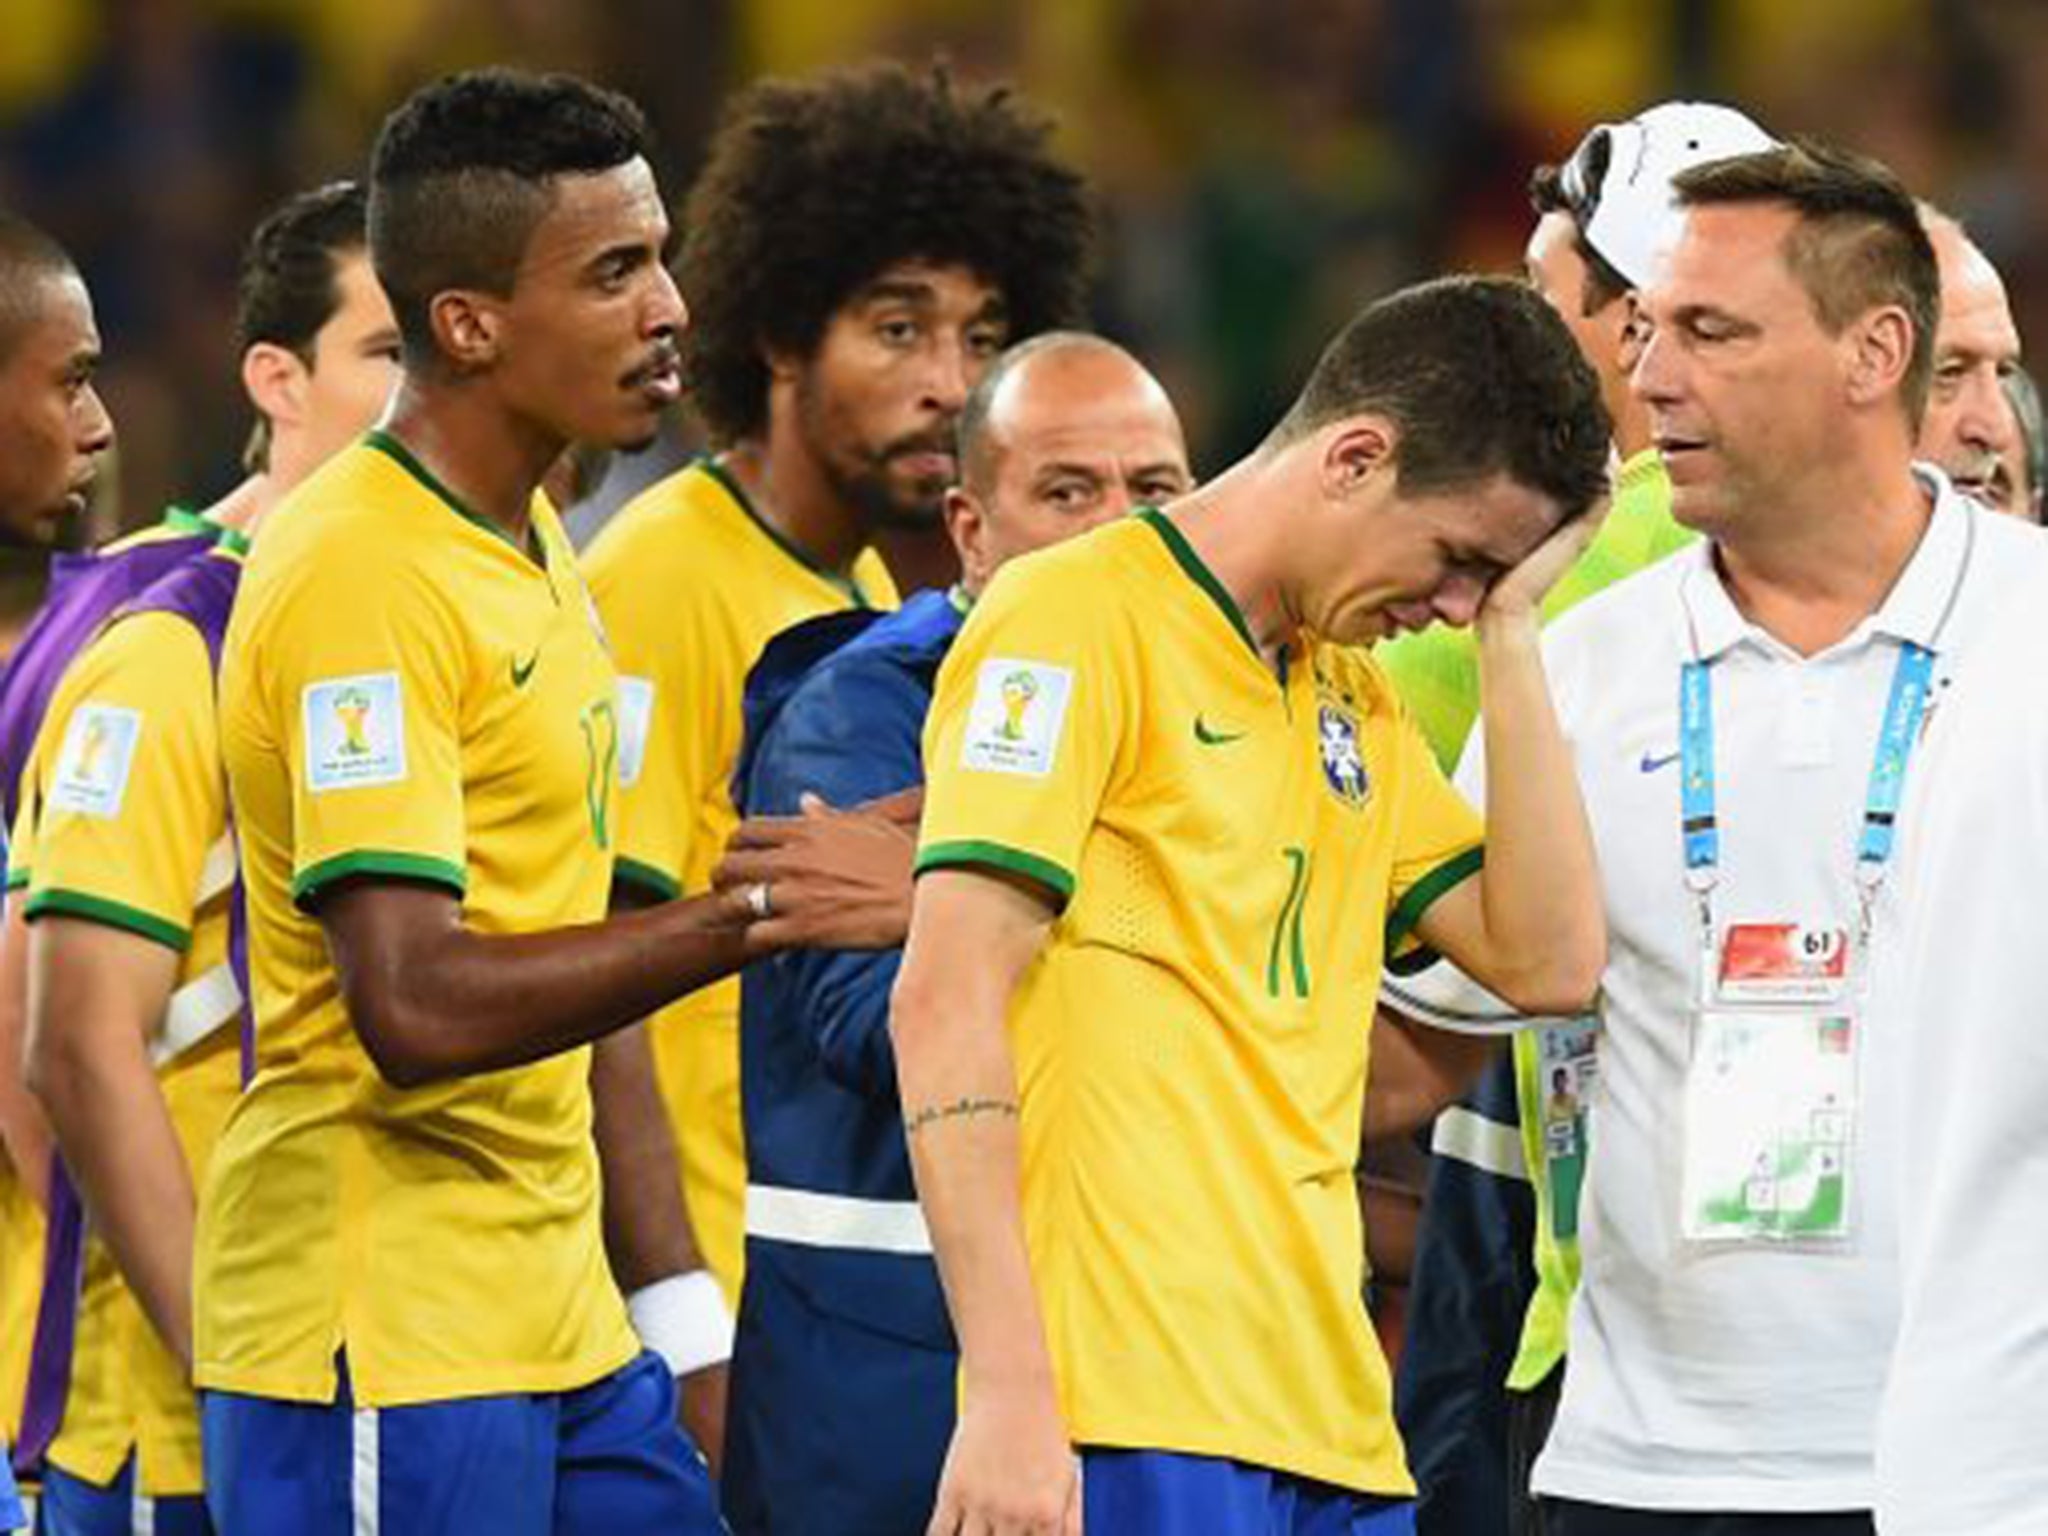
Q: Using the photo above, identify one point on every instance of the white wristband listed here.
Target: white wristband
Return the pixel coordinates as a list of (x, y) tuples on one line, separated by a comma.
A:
[(683, 1319)]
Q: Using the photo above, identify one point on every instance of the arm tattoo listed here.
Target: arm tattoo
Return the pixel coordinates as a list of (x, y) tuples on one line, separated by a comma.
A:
[(959, 1109)]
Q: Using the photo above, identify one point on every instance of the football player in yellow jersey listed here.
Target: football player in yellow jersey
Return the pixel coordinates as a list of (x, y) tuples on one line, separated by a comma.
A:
[(127, 866), (53, 433), (404, 1319), (858, 248), (1174, 819)]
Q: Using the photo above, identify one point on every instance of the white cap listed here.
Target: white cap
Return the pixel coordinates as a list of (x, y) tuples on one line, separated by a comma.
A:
[(1622, 173)]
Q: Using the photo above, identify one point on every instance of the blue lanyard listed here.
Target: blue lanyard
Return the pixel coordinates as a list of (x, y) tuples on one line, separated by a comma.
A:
[(1911, 681)]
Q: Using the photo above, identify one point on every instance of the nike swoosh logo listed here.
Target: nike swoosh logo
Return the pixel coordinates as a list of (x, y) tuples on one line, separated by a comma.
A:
[(1214, 738), (1651, 764), (521, 674)]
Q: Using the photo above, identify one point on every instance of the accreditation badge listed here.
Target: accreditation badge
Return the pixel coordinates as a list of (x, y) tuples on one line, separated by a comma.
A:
[(1770, 1091)]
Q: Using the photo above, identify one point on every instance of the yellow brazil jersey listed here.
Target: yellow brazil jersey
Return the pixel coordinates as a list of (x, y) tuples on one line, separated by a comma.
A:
[(130, 829), (692, 584), (405, 693), (1235, 851)]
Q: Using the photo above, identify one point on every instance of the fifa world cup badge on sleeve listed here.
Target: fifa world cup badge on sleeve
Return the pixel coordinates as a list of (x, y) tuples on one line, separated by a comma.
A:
[(355, 732), (99, 751), (1015, 721)]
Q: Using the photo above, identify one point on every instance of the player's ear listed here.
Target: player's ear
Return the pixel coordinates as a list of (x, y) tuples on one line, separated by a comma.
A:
[(467, 328), (275, 380), (967, 526), (1354, 451), (784, 364)]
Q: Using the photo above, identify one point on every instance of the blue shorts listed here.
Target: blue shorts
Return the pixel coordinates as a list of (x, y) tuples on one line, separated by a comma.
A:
[(71, 1506), (1160, 1493), (605, 1460), (12, 1516), (832, 1427)]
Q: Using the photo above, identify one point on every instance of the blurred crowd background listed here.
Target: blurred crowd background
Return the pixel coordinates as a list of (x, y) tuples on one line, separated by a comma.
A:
[(1263, 165)]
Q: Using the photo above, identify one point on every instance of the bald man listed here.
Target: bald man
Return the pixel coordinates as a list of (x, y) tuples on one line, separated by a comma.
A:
[(1969, 423), (843, 1375)]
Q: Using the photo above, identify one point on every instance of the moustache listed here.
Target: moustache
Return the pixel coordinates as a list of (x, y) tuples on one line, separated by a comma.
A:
[(911, 447), (666, 358), (1978, 464)]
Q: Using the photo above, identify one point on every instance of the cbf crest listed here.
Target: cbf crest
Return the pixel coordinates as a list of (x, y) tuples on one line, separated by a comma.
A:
[(1343, 758)]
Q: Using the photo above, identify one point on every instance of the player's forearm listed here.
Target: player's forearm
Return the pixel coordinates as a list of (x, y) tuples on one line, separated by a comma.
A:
[(647, 1231), (94, 1077), (450, 1002), (648, 1236), (960, 1112), (1540, 889)]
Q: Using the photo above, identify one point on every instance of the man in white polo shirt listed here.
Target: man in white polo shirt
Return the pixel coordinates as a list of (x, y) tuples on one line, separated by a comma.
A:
[(1743, 717), (1960, 1443)]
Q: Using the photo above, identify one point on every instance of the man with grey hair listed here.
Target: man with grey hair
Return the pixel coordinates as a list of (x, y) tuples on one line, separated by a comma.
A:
[(844, 1368)]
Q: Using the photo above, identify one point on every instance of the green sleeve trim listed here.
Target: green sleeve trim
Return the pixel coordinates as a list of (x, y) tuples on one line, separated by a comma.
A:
[(17, 876), (403, 866), (112, 914), (998, 856), (1422, 895), (655, 881), (1412, 963)]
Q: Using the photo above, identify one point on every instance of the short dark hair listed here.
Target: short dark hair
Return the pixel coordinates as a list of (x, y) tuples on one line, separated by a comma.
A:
[(289, 284), (1859, 242), (1480, 377), (1547, 195), (27, 257), (464, 170), (290, 281), (814, 186)]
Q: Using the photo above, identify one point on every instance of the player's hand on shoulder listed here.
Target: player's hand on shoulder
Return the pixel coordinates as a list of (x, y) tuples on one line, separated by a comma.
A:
[(905, 808), (1009, 1471), (826, 878)]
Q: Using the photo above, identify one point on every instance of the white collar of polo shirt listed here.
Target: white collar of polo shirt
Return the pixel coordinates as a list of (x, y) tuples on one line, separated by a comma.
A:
[(1913, 611)]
